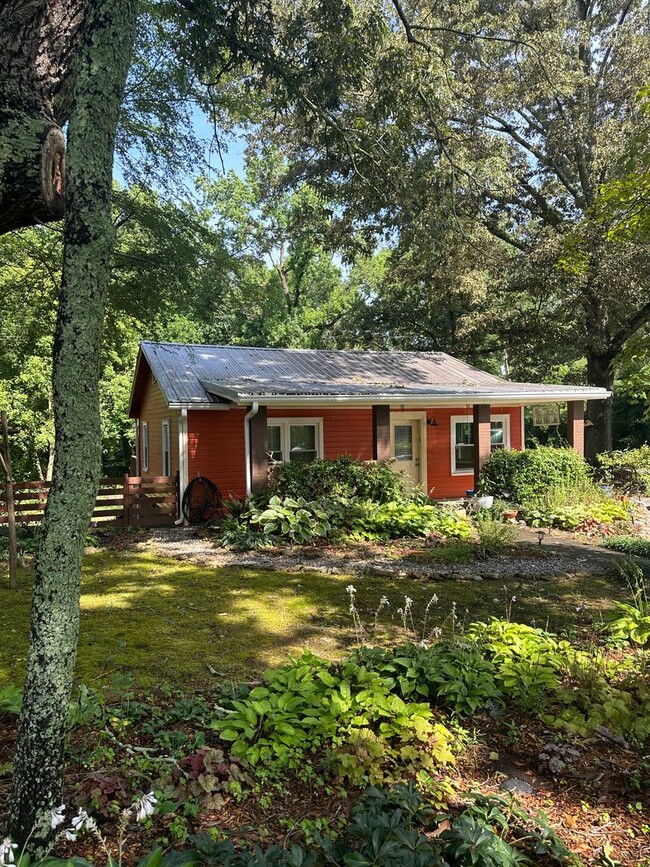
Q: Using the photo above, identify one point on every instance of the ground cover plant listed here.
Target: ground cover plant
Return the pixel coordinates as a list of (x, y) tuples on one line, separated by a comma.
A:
[(403, 688), (323, 732), (136, 607)]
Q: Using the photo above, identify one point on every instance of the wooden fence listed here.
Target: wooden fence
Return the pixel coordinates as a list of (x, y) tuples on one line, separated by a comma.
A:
[(131, 501)]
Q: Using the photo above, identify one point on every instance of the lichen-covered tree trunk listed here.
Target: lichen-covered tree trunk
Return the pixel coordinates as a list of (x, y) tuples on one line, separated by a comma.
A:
[(102, 62), (38, 41)]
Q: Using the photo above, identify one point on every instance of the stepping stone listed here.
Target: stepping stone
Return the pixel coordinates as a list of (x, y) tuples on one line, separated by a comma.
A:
[(519, 787)]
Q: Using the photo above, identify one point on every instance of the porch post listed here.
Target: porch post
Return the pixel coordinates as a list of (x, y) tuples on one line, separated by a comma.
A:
[(381, 433), (576, 425), (259, 448), (481, 437)]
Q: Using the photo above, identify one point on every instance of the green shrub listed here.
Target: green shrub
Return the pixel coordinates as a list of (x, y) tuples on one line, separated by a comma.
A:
[(343, 477), (397, 520), (494, 535), (527, 475), (634, 546), (628, 469)]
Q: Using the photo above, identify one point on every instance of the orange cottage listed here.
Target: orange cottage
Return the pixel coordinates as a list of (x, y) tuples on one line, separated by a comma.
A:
[(226, 412)]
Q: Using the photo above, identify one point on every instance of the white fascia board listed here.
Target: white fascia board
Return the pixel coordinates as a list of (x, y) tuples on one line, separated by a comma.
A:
[(413, 401), (424, 401)]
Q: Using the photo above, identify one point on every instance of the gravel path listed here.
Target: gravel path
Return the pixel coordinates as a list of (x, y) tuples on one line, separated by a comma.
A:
[(557, 556)]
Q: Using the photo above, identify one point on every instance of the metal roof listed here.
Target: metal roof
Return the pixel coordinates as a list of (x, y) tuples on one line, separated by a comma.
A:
[(200, 375)]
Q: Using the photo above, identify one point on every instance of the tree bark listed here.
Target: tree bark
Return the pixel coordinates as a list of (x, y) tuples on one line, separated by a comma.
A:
[(37, 45), (104, 53), (598, 430)]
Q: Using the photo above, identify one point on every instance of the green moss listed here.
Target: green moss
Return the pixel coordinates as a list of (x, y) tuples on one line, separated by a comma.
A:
[(168, 622)]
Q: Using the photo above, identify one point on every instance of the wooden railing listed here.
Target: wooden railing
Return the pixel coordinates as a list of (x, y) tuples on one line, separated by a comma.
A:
[(132, 501)]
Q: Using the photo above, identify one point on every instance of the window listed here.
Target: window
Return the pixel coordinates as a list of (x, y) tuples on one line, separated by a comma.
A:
[(294, 439), (145, 446), (166, 450), (403, 442), (462, 440)]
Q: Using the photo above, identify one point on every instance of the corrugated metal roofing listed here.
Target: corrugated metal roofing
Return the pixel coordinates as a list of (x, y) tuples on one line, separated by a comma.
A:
[(190, 374)]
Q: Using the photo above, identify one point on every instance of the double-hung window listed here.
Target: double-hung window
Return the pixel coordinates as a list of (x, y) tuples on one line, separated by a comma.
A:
[(462, 440), (295, 439), (145, 446), (166, 449)]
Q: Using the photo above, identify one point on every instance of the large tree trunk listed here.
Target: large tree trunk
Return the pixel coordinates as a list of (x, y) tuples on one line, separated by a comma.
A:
[(102, 63), (37, 44), (598, 431)]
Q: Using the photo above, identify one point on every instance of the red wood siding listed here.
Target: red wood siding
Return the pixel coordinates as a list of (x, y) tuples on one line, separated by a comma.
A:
[(216, 443), (216, 448), (154, 410), (441, 482)]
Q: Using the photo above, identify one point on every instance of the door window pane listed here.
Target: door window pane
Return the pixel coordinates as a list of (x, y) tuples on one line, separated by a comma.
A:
[(302, 442), (274, 443), (404, 442)]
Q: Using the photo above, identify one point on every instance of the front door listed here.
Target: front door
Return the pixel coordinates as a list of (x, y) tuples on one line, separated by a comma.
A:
[(406, 446)]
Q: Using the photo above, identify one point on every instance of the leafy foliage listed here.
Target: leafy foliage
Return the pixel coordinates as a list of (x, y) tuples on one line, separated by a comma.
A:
[(342, 477), (632, 545), (527, 475), (632, 622), (369, 733), (395, 520), (629, 469)]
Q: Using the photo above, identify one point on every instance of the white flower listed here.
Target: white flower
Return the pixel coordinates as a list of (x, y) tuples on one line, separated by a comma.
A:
[(57, 816), (82, 821), (400, 611), (384, 601), (145, 807), (351, 589), (7, 852), (408, 601), (69, 835)]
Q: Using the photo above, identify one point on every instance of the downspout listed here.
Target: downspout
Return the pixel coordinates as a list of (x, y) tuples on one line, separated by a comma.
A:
[(182, 463), (255, 407)]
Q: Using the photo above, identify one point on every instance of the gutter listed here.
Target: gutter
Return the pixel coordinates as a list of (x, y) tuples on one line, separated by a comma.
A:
[(255, 408), (409, 401)]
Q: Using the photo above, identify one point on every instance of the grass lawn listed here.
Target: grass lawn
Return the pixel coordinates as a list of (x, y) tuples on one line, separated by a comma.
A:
[(164, 621)]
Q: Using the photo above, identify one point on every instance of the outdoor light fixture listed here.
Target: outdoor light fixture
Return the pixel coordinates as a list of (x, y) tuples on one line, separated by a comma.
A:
[(540, 536), (432, 422)]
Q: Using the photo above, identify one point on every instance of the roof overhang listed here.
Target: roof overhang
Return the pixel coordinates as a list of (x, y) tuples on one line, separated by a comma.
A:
[(411, 400)]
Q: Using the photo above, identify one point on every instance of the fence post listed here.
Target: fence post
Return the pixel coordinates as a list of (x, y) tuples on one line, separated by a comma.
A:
[(127, 502), (11, 510)]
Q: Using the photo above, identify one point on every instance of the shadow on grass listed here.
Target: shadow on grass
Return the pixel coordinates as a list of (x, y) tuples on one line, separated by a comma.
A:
[(170, 622)]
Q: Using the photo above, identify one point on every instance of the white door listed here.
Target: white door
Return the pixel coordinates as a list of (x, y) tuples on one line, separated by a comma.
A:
[(406, 446)]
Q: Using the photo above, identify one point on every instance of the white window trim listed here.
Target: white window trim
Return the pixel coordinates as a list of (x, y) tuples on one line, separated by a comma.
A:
[(145, 446), (285, 423), (166, 441), (455, 419)]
